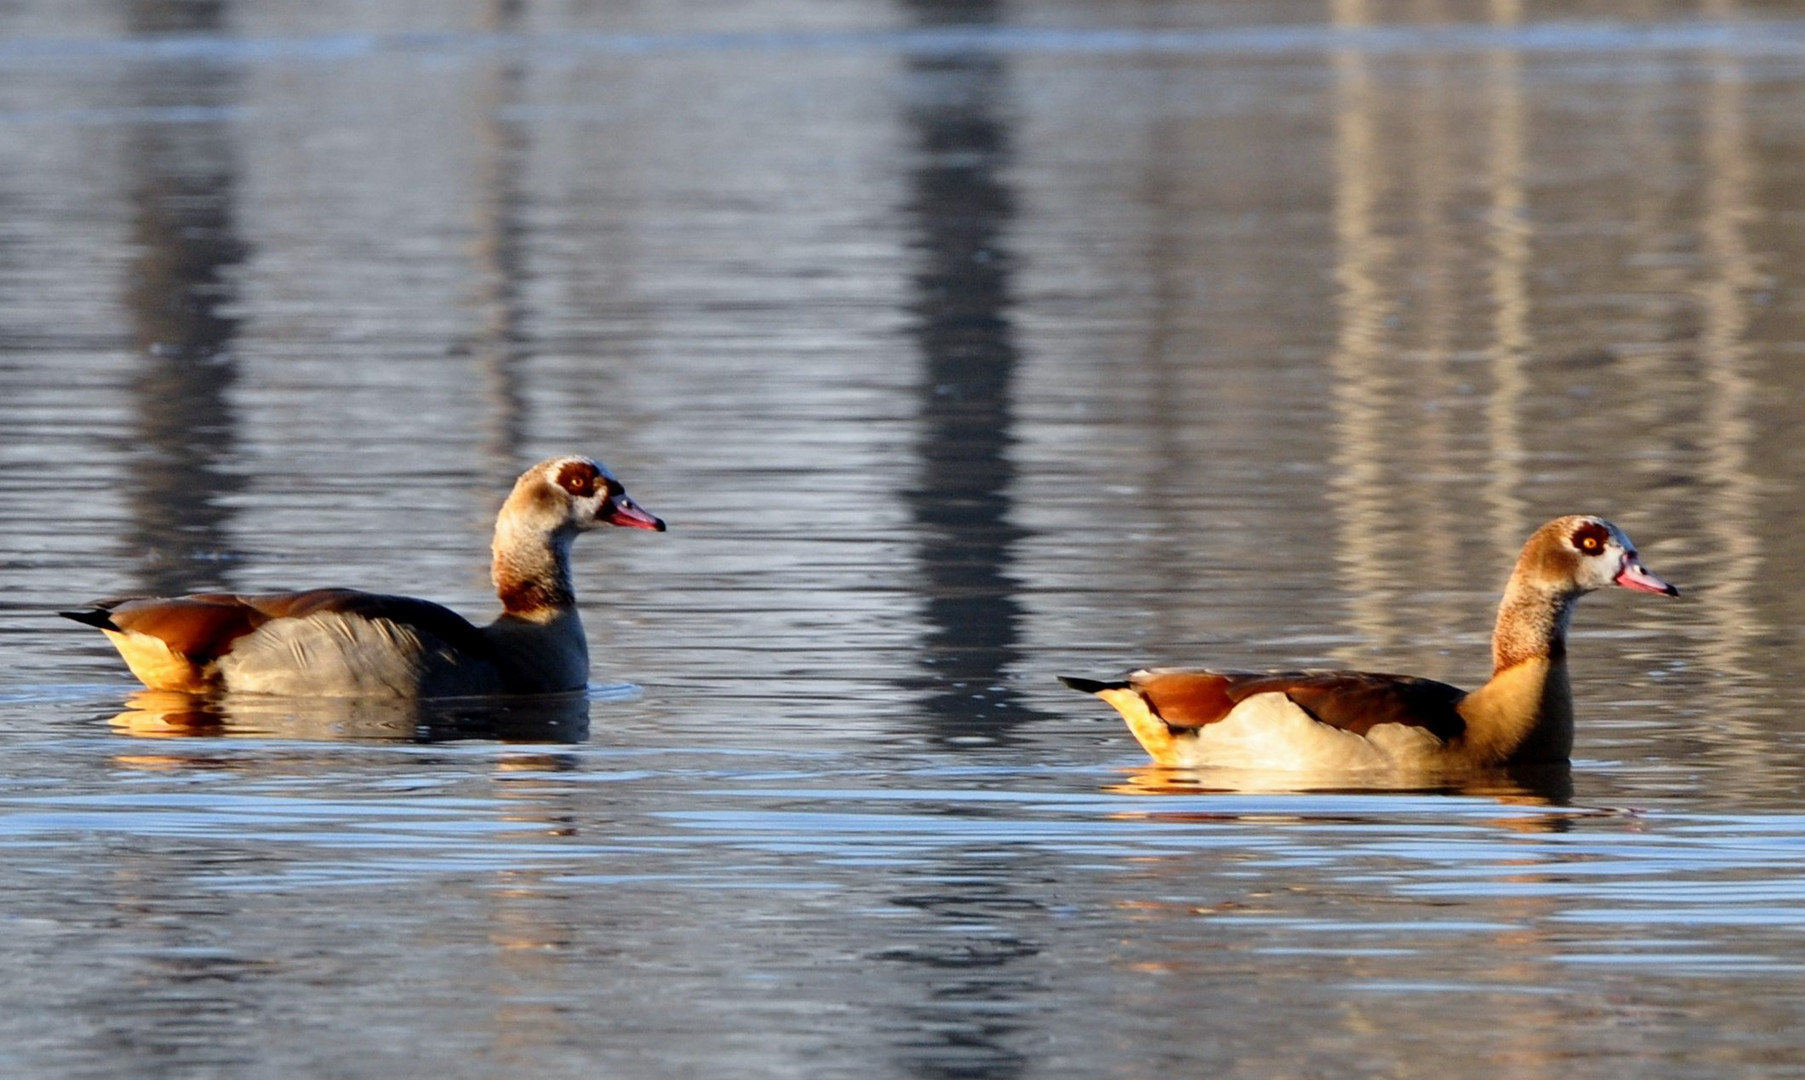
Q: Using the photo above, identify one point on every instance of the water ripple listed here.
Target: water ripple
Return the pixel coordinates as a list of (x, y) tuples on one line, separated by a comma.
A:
[(1771, 37)]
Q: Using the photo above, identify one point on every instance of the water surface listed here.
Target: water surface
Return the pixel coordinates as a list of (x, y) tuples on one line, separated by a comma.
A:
[(961, 346)]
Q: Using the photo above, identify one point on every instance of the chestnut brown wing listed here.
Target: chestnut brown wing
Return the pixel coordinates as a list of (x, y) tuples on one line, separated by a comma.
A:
[(203, 626), (1353, 701), (200, 627)]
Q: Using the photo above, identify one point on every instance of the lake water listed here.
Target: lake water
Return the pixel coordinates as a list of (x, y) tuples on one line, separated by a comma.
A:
[(961, 345)]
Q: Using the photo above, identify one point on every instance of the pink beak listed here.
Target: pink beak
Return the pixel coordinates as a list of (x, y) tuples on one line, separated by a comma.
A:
[(623, 511), (1636, 576)]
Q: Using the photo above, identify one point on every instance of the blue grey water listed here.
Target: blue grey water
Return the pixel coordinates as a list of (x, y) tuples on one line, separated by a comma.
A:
[(961, 344)]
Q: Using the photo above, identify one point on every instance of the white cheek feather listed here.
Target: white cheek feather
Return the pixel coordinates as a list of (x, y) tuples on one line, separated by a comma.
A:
[(1270, 732), (1598, 571)]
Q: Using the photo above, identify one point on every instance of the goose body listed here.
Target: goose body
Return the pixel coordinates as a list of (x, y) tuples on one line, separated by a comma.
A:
[(1333, 721), (346, 643)]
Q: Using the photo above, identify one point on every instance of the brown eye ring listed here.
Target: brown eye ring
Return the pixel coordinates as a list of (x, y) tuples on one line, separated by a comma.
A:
[(1590, 538), (578, 478)]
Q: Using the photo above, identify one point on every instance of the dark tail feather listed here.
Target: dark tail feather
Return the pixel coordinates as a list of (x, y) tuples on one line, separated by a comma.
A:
[(1092, 686), (99, 617)]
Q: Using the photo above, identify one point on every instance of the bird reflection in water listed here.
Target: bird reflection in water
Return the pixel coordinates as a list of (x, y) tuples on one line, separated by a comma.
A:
[(1549, 784), (539, 718)]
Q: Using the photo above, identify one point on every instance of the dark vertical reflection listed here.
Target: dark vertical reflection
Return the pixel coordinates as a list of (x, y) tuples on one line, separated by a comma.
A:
[(958, 209), (969, 1011), (501, 348), (183, 1017), (979, 976), (179, 290), (186, 1016)]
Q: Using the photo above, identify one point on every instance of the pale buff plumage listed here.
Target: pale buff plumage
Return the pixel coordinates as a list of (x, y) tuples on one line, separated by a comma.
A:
[(345, 643), (1354, 721)]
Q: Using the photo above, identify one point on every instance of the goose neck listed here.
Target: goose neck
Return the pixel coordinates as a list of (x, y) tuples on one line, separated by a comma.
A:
[(1532, 624), (531, 572)]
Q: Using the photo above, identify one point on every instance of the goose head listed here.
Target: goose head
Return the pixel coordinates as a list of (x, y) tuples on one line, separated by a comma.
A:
[(1579, 553), (566, 495), (551, 503)]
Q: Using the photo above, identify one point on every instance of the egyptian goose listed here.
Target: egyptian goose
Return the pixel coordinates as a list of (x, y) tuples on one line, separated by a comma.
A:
[(345, 643), (1351, 720)]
